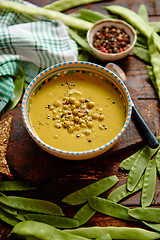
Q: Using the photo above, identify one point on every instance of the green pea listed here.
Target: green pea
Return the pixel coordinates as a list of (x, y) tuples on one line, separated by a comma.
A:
[(84, 214), (121, 192), (96, 188), (142, 53), (143, 12), (139, 166), (145, 214), (55, 221), (33, 205), (41, 231), (115, 233), (128, 162), (149, 184), (66, 19), (15, 186), (109, 208)]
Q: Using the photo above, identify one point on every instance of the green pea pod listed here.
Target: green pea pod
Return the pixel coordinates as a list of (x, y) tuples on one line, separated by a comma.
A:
[(41, 231), (153, 226), (121, 192), (139, 166), (152, 77), (62, 5), (55, 221), (155, 59), (109, 208), (142, 53), (155, 26), (105, 237), (33, 205), (84, 214), (81, 41), (124, 233), (96, 188), (142, 11), (157, 159), (145, 214), (135, 20), (14, 186), (8, 218), (18, 91), (149, 184), (7, 209), (93, 16), (54, 15), (128, 162)]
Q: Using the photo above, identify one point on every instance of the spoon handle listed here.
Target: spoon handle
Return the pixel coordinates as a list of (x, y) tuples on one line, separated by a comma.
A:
[(143, 127)]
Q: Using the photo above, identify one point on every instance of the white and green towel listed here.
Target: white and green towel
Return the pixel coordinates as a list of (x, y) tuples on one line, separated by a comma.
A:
[(34, 43)]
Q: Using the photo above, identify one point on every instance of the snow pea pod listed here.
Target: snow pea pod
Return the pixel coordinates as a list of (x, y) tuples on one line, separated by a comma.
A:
[(84, 214), (33, 205), (135, 20), (142, 11), (142, 53), (18, 91), (8, 218), (121, 192), (14, 186), (105, 237), (115, 233), (155, 26), (149, 184), (54, 15), (96, 188), (157, 159), (152, 77), (62, 5), (128, 162), (109, 208), (145, 214), (155, 59), (139, 166), (153, 226), (41, 231), (55, 221)]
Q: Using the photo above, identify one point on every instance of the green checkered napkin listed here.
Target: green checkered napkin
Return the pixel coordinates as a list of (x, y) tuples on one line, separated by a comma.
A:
[(34, 43)]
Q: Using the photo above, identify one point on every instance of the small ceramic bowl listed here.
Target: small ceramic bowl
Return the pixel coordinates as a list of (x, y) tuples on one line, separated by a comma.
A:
[(63, 68), (108, 23)]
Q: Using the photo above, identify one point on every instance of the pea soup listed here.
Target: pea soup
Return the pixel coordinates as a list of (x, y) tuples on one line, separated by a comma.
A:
[(77, 111)]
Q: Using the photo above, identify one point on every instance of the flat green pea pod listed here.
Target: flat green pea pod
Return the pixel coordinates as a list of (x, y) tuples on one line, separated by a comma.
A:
[(155, 58), (62, 5), (121, 192), (105, 237), (41, 231), (54, 15), (153, 226), (139, 166), (8, 218), (110, 208), (93, 16), (157, 159), (149, 184), (152, 77), (142, 11), (135, 20), (128, 162), (96, 188), (33, 205), (145, 214), (155, 26), (55, 221), (84, 214), (142, 53), (115, 233), (6, 186)]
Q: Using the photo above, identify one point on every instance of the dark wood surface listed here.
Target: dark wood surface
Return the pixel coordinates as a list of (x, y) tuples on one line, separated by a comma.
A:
[(54, 177)]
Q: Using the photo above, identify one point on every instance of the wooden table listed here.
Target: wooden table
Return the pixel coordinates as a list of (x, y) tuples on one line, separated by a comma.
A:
[(55, 178)]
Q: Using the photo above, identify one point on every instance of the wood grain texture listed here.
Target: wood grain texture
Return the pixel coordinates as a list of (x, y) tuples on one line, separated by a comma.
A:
[(54, 177)]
